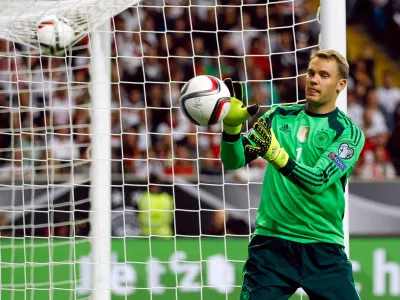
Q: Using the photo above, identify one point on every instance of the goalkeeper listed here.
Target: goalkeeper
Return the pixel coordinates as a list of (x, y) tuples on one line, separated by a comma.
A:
[(311, 149)]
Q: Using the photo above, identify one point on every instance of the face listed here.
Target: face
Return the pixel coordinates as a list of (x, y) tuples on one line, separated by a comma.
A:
[(219, 219), (380, 154), (323, 83), (372, 99), (368, 116), (388, 80)]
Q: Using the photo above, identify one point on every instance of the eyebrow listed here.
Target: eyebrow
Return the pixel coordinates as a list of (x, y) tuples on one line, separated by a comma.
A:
[(321, 71), (324, 72)]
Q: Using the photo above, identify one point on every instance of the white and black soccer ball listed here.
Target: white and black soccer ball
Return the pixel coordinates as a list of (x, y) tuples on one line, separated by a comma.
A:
[(205, 100), (55, 34)]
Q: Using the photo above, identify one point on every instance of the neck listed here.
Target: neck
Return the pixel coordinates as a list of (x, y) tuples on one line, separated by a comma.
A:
[(320, 109)]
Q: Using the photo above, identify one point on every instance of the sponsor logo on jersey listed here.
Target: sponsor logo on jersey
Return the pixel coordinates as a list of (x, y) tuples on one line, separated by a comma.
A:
[(285, 128), (302, 134), (345, 151), (337, 161), (321, 139)]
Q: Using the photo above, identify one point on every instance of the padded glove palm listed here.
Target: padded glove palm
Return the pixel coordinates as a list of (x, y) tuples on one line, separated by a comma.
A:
[(266, 144), (238, 113)]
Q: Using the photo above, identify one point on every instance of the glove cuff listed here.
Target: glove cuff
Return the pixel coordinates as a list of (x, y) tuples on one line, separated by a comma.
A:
[(281, 159), (232, 130)]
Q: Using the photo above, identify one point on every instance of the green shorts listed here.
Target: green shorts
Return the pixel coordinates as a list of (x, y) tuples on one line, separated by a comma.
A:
[(276, 268)]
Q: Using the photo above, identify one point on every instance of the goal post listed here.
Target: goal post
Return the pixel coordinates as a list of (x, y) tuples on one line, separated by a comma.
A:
[(333, 36), (100, 218)]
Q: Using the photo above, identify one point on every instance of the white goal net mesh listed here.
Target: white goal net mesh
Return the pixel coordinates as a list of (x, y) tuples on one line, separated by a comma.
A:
[(19, 19), (193, 243)]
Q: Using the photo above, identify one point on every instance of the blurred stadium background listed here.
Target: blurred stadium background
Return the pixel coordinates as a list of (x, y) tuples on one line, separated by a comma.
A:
[(45, 113)]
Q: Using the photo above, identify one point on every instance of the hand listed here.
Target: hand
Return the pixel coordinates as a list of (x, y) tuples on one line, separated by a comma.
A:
[(266, 144), (238, 113)]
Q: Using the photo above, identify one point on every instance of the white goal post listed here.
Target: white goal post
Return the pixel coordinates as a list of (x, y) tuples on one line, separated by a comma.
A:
[(100, 41), (333, 36), (103, 276)]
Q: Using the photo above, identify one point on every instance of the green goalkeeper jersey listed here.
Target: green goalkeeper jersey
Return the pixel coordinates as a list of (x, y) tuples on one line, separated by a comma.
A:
[(304, 201)]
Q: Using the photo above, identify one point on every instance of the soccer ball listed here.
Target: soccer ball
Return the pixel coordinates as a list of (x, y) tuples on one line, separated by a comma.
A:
[(55, 34), (205, 100)]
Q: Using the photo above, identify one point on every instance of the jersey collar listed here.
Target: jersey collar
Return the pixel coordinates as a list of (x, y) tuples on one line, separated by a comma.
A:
[(327, 115)]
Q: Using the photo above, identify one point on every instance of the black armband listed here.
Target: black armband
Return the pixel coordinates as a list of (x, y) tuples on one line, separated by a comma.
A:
[(230, 138)]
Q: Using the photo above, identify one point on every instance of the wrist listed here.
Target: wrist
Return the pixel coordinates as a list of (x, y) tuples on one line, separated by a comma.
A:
[(281, 159), (230, 138), (288, 169), (231, 129)]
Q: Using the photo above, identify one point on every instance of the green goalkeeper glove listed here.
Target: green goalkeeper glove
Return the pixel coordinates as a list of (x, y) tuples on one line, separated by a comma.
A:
[(238, 113), (266, 144)]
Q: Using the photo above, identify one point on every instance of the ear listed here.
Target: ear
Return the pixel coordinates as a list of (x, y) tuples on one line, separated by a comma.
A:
[(341, 85)]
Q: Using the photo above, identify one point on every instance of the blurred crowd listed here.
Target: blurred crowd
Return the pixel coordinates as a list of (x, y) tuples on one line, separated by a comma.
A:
[(376, 110), (45, 102), (381, 18)]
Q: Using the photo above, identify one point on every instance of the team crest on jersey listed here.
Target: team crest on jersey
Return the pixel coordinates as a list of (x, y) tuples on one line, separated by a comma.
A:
[(302, 134), (321, 139), (345, 151)]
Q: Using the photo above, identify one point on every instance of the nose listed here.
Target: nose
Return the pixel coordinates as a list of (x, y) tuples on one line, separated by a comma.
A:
[(313, 79)]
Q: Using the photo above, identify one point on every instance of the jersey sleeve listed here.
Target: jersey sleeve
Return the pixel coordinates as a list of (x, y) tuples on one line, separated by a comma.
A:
[(232, 151), (335, 163)]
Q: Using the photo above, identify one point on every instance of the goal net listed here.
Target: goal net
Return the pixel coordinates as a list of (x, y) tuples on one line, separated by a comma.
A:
[(180, 223)]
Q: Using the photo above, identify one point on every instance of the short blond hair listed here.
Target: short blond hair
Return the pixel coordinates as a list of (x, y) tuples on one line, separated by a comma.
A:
[(343, 65)]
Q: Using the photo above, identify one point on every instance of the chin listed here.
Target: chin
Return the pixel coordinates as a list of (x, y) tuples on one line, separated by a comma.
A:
[(312, 99)]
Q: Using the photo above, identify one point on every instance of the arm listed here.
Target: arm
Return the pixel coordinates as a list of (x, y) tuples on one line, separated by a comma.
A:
[(335, 163), (233, 155)]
